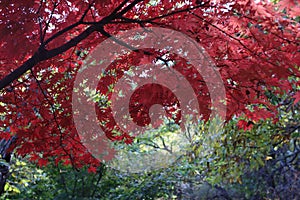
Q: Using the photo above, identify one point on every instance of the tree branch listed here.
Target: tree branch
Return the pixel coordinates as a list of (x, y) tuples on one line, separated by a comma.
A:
[(43, 54)]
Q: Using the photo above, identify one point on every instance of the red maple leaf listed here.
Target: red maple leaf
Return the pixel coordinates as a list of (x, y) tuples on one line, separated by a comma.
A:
[(296, 97)]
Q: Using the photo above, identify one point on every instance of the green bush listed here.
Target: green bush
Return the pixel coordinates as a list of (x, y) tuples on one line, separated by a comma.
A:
[(209, 162)]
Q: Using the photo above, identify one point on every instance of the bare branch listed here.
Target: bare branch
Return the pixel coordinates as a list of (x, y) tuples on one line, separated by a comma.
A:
[(48, 22)]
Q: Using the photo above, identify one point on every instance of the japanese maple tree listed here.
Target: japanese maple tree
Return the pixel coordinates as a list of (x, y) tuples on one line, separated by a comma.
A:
[(255, 46)]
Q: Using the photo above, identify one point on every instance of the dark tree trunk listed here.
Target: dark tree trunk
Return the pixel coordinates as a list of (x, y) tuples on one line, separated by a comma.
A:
[(5, 161)]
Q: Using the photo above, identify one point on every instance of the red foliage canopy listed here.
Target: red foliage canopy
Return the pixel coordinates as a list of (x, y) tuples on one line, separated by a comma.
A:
[(255, 47)]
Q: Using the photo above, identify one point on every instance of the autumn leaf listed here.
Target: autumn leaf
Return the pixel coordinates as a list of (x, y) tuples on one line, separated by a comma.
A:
[(296, 97)]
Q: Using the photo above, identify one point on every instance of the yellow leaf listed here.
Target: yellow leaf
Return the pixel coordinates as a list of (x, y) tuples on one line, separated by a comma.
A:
[(16, 190), (268, 158), (239, 180), (6, 187)]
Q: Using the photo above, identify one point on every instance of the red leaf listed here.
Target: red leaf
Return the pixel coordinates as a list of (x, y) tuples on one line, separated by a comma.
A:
[(242, 124), (42, 162), (62, 69), (297, 97), (92, 169)]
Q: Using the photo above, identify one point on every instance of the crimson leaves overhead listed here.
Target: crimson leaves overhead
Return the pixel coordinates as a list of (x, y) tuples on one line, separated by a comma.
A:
[(255, 47)]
